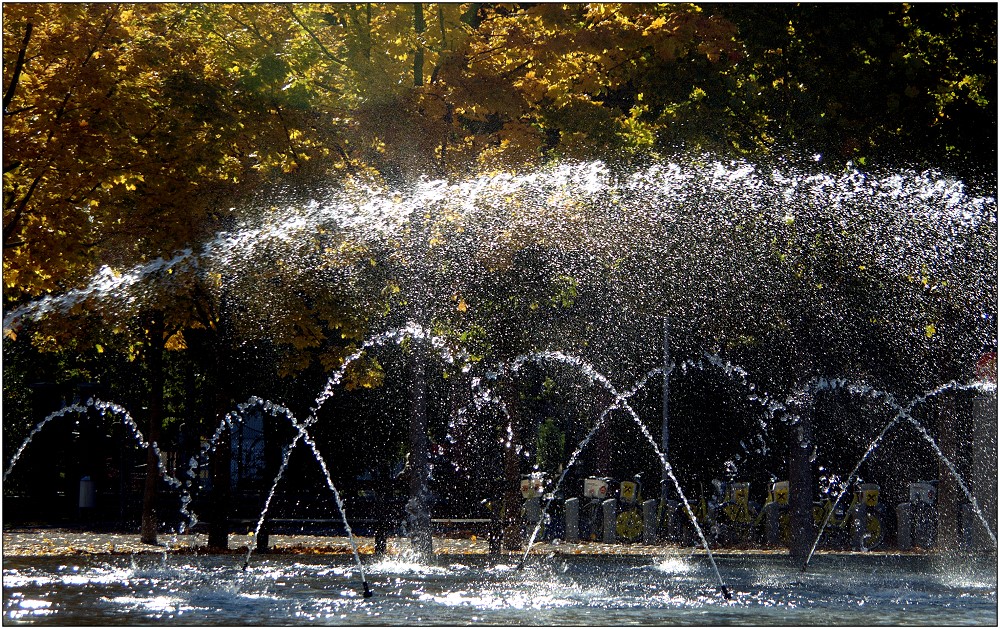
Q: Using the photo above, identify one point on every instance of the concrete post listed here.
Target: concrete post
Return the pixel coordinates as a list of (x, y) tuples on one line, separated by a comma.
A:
[(532, 513), (87, 493), (924, 525), (609, 509), (676, 516), (572, 520), (772, 522), (904, 526), (858, 527), (649, 522)]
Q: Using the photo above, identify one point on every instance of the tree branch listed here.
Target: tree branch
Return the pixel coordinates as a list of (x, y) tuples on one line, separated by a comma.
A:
[(312, 35), (9, 228), (8, 94)]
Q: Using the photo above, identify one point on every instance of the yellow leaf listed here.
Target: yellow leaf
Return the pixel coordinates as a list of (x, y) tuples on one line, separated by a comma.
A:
[(176, 342), (462, 307), (930, 330)]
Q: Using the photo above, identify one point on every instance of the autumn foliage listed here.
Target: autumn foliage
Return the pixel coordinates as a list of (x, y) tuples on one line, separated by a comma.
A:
[(127, 126)]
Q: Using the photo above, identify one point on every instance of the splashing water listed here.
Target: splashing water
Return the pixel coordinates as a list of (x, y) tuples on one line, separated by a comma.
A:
[(412, 331), (104, 408), (598, 378), (700, 241), (901, 413)]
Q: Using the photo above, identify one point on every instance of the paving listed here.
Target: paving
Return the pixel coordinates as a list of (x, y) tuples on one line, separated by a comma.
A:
[(62, 541)]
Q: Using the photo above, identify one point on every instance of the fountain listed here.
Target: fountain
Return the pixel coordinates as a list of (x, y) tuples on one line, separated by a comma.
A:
[(818, 321)]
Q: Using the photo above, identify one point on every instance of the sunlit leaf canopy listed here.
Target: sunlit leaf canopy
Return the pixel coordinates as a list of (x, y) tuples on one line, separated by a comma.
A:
[(178, 144)]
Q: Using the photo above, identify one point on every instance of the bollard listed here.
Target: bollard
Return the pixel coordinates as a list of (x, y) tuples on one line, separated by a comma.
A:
[(772, 523), (572, 520), (923, 514), (924, 531), (649, 522), (609, 507), (904, 526), (860, 515), (532, 510), (263, 541), (676, 517), (88, 495), (532, 513)]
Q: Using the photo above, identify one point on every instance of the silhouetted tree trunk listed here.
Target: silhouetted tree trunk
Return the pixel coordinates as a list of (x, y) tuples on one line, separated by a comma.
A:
[(665, 417), (418, 506), (219, 466), (154, 361), (948, 491), (419, 26), (219, 463), (800, 478), (218, 525), (512, 474)]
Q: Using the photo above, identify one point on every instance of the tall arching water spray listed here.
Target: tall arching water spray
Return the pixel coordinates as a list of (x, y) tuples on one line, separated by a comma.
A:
[(104, 408), (864, 272), (553, 488), (619, 401), (901, 413), (701, 221), (276, 410), (396, 336)]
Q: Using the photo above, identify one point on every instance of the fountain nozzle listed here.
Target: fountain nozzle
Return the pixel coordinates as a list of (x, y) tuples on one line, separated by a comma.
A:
[(725, 592), (367, 593)]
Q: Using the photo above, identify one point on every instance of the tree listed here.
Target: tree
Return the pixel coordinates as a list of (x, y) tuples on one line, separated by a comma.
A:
[(878, 83)]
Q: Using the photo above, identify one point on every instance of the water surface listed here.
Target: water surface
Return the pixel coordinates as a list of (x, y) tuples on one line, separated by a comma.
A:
[(292, 590)]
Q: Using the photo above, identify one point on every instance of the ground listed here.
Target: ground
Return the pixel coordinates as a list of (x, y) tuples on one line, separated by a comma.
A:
[(56, 541)]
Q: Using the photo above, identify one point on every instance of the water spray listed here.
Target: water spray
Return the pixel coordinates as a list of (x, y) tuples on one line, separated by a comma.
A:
[(902, 413), (620, 401)]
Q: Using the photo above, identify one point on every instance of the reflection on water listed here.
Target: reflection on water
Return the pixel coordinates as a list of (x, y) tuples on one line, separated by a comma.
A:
[(212, 590)]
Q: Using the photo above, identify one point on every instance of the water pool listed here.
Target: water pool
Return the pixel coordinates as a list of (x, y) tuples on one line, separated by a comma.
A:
[(557, 590)]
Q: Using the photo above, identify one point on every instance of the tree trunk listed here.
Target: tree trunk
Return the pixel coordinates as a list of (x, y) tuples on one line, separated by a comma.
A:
[(218, 526), (800, 479), (418, 507), (219, 465), (419, 26), (948, 490), (984, 463), (154, 360), (665, 419), (512, 475)]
